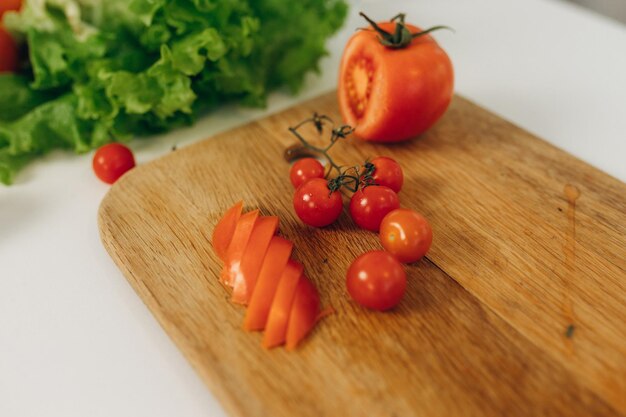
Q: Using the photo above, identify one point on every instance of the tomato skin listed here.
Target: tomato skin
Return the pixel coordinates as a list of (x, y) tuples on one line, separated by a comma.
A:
[(237, 247), (305, 169), (376, 280), (369, 205), (253, 257), (313, 204), (111, 161), (8, 52), (274, 263), (407, 89), (406, 234), (305, 311), (388, 173), (10, 5)]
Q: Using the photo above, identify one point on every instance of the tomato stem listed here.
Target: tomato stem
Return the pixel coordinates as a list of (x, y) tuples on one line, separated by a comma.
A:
[(350, 178), (337, 133), (402, 36)]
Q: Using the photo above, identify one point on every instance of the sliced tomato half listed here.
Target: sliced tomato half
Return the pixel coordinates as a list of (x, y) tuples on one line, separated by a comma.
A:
[(252, 259), (272, 269), (305, 311), (223, 232), (276, 328), (237, 246)]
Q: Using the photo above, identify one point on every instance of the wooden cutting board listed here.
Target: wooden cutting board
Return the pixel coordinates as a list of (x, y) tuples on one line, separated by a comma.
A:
[(518, 310)]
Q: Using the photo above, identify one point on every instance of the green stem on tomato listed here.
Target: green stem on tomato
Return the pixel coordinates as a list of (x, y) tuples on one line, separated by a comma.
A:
[(349, 178), (318, 121), (402, 36)]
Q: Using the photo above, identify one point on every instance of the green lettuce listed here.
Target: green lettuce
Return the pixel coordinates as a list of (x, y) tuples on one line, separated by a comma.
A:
[(110, 70)]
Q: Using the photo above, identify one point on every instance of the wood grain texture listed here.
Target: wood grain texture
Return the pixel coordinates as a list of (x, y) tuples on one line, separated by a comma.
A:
[(520, 308)]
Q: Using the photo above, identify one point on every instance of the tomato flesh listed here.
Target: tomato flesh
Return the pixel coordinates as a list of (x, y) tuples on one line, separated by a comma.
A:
[(359, 84), (223, 232), (272, 269), (252, 259), (282, 301), (237, 247), (305, 312), (276, 328)]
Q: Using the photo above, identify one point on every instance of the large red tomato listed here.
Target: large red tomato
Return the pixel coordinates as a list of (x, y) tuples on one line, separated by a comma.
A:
[(393, 93), (315, 204)]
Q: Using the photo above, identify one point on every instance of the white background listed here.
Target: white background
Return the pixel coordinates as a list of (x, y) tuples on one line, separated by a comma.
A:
[(76, 341)]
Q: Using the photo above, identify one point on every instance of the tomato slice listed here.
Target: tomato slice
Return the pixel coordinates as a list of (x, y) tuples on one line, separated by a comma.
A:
[(223, 232), (237, 246), (305, 311), (276, 328), (273, 266), (252, 259)]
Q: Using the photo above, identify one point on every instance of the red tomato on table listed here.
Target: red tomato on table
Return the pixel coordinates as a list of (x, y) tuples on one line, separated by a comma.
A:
[(406, 234), (391, 94), (376, 280), (111, 161), (315, 205), (305, 169), (8, 52), (369, 205)]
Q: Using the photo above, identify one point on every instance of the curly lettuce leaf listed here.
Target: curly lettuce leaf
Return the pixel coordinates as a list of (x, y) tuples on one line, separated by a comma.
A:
[(108, 70), (18, 98)]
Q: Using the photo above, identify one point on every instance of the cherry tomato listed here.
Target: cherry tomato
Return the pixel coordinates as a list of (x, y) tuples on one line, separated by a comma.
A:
[(305, 169), (111, 161), (315, 205), (388, 173), (393, 94), (8, 52), (376, 280), (369, 205), (406, 234), (10, 5)]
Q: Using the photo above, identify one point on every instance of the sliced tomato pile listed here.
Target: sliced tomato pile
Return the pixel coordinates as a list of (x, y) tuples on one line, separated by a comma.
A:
[(258, 267)]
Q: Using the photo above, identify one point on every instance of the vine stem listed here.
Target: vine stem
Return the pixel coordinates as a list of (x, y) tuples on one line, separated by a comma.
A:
[(402, 36), (344, 179), (322, 151)]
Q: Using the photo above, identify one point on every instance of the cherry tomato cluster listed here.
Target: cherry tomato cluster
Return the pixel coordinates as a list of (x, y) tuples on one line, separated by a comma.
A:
[(318, 202), (375, 279)]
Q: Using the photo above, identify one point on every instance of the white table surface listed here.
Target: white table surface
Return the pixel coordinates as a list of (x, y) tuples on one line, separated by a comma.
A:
[(76, 341)]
